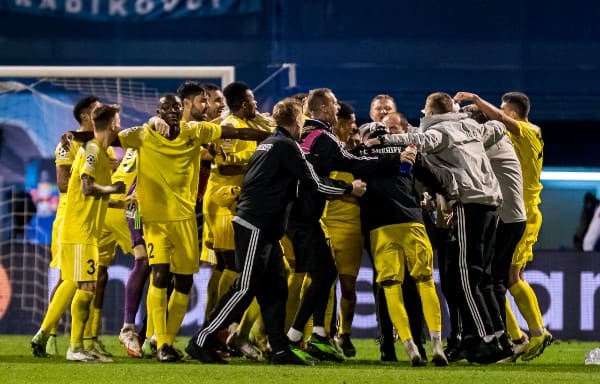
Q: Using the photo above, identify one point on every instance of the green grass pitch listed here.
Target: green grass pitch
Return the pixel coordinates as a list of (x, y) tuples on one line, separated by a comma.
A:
[(561, 363)]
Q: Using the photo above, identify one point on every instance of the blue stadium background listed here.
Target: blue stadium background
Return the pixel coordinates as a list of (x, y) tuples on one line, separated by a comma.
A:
[(549, 49)]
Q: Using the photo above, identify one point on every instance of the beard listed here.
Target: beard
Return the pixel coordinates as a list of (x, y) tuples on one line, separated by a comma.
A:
[(197, 114)]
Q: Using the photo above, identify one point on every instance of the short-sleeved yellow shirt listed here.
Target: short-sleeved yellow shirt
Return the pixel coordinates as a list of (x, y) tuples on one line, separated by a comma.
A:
[(168, 170), (529, 147), (84, 215)]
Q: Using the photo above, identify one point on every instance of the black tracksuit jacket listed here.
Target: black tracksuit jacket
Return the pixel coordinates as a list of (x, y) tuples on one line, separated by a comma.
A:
[(327, 155), (393, 199), (271, 183)]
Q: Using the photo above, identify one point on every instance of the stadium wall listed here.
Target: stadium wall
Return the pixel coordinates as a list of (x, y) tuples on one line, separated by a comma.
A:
[(567, 285), (406, 48)]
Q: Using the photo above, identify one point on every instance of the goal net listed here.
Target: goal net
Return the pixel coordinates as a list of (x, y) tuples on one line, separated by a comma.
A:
[(36, 105), (40, 100)]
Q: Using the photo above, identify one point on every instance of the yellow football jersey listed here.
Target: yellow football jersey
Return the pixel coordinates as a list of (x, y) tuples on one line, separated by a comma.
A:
[(529, 147), (341, 211), (168, 170), (237, 152), (63, 156), (84, 215), (126, 172)]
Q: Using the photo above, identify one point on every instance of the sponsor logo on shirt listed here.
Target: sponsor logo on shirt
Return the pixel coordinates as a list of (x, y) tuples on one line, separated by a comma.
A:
[(264, 147), (388, 150)]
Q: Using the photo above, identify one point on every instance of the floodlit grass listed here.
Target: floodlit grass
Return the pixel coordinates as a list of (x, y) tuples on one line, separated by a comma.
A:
[(561, 363)]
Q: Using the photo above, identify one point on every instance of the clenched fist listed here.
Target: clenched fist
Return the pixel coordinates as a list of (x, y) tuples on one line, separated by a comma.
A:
[(359, 188)]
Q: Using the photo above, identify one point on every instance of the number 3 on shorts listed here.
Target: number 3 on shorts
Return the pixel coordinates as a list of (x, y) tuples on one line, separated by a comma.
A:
[(92, 268)]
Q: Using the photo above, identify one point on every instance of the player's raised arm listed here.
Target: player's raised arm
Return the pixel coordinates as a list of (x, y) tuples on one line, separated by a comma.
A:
[(491, 111)]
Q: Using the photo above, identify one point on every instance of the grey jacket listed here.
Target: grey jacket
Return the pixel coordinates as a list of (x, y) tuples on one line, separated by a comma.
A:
[(455, 142), (507, 169)]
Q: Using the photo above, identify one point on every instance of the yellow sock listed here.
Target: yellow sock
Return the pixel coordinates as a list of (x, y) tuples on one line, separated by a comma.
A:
[(536, 307), (512, 326), (294, 283), (431, 305), (398, 315), (227, 278), (80, 309), (149, 317), (96, 319), (54, 329), (251, 315), (212, 290), (257, 333), (307, 331), (528, 305), (347, 309), (63, 296), (158, 298), (87, 329), (177, 308), (329, 311), (92, 323)]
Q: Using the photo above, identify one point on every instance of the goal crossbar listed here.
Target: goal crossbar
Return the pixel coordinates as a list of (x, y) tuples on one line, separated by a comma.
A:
[(225, 73)]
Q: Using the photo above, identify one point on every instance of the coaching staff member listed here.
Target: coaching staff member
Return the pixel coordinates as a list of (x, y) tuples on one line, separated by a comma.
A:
[(262, 213)]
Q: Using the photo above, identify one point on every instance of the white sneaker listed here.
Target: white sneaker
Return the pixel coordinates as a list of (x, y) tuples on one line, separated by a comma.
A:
[(234, 341), (519, 349), (258, 338), (98, 347), (97, 350), (129, 338), (413, 354), (593, 357), (80, 355), (439, 357)]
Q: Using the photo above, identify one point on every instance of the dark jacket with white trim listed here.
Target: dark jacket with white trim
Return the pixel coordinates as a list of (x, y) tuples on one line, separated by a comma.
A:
[(327, 155), (271, 183)]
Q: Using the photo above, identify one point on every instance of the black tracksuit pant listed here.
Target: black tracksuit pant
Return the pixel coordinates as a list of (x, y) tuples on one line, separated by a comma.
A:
[(508, 236), (467, 262), (259, 262)]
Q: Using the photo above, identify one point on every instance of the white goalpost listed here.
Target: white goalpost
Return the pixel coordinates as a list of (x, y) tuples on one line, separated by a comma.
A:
[(36, 104), (225, 73)]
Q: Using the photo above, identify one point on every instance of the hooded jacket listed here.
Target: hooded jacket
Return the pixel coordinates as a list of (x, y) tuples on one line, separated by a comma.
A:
[(454, 141)]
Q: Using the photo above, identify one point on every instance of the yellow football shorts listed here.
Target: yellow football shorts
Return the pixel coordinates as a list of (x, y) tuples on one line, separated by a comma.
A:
[(114, 233), (346, 242), (174, 243), (398, 245), (524, 250), (79, 262)]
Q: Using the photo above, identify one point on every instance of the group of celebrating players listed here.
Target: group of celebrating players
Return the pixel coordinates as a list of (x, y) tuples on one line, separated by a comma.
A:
[(287, 202)]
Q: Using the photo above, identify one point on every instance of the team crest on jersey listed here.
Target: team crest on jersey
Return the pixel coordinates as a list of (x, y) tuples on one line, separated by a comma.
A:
[(63, 153), (90, 159)]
